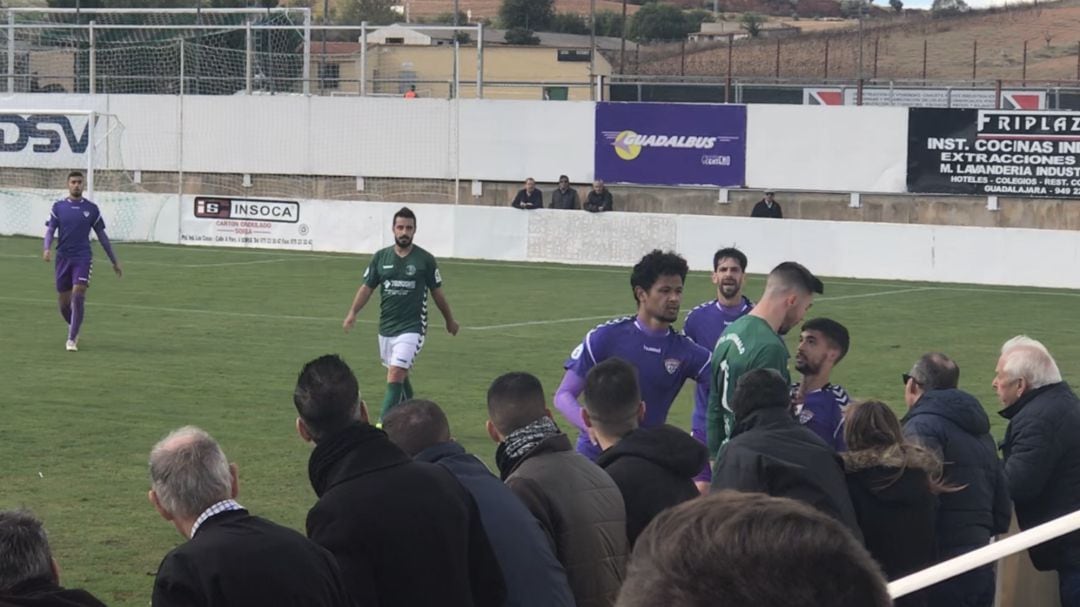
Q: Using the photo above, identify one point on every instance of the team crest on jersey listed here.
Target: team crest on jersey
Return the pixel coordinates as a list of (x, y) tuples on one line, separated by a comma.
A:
[(86, 214), (410, 270), (671, 365)]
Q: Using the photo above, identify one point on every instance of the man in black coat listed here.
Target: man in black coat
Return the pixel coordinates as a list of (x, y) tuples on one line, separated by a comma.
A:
[(534, 577), (1042, 453), (770, 452), (653, 467), (231, 558), (405, 533), (953, 424), (768, 207), (29, 577)]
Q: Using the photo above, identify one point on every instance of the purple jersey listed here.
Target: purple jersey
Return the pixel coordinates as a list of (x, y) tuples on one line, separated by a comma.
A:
[(823, 412), (664, 361), (704, 324), (73, 221)]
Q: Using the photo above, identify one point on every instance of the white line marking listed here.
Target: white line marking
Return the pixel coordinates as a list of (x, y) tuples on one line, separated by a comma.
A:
[(179, 265), (876, 294), (530, 323)]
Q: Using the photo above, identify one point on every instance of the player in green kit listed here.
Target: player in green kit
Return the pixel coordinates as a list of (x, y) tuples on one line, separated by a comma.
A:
[(405, 273), (756, 341)]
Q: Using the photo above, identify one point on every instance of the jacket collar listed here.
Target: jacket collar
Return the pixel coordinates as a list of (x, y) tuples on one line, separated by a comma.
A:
[(355, 450), (769, 418), (439, 451), (552, 444), (1011, 411)]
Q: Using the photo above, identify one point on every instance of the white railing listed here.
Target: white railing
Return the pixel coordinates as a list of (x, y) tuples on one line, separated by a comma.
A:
[(988, 554)]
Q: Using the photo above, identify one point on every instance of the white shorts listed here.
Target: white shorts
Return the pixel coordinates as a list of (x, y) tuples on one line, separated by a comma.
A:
[(400, 350)]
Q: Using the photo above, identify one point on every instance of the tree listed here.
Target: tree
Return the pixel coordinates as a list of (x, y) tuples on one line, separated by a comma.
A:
[(751, 24), (534, 15), (695, 18), (655, 21), (897, 5), (521, 35), (609, 23), (447, 18), (946, 7), (375, 12), (569, 23)]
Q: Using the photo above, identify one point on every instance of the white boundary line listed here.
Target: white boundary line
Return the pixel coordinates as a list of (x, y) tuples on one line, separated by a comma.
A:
[(179, 265)]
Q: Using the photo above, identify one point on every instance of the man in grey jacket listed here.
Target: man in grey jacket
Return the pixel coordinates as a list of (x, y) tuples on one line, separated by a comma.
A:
[(576, 502)]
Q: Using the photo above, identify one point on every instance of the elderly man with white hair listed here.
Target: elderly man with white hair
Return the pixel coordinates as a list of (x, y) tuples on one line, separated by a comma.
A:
[(1042, 452)]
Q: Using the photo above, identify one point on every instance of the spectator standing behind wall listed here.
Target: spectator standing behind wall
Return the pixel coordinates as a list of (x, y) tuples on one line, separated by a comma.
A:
[(768, 207), (565, 197), (528, 198), (599, 199)]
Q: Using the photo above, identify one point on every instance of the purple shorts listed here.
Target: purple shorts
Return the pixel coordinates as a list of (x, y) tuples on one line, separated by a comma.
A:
[(706, 473), (71, 272)]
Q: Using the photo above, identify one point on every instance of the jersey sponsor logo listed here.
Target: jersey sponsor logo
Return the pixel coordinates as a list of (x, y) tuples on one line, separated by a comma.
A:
[(671, 365), (281, 211), (51, 131), (653, 350), (410, 270)]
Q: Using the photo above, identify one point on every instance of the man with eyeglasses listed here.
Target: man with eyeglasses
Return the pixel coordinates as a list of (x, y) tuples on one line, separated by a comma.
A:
[(565, 197), (953, 424)]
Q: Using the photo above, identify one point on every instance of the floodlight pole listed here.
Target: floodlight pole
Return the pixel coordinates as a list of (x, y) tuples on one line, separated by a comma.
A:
[(363, 58), (307, 53)]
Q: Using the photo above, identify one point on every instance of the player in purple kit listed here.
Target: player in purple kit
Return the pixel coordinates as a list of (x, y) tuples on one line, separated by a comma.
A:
[(664, 358), (70, 223), (705, 323), (819, 404)]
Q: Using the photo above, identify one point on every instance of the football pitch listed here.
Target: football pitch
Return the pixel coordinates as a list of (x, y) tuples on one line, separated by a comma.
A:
[(215, 338)]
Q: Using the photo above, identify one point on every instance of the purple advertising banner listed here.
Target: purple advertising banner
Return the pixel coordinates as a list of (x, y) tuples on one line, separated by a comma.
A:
[(671, 143)]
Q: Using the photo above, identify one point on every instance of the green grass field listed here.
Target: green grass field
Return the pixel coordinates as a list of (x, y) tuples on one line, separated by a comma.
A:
[(215, 338)]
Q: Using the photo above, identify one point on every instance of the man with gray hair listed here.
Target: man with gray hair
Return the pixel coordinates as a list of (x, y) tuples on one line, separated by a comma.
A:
[(953, 424), (1042, 452), (232, 557), (28, 574)]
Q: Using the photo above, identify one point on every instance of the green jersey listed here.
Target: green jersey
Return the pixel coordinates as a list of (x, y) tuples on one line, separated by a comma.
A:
[(747, 344), (404, 284)]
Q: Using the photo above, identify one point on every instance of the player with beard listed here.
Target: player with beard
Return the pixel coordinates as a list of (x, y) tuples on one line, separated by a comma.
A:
[(664, 358), (819, 404), (404, 273), (705, 323), (755, 342)]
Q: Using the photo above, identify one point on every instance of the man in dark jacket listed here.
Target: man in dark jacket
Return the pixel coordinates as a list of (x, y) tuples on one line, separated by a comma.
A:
[(1042, 453), (534, 577), (578, 505), (770, 452), (404, 533), (953, 424), (29, 577), (528, 198), (599, 199), (768, 207), (653, 467), (230, 558), (565, 197)]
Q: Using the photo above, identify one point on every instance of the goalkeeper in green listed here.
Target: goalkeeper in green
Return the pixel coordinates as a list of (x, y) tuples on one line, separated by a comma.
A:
[(405, 273)]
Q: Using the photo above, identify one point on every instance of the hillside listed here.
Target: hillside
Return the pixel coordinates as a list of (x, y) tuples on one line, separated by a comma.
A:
[(1052, 33)]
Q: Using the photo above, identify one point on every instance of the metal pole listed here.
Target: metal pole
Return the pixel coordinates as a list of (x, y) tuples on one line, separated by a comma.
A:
[(322, 60), (924, 61), (90, 154), (307, 53), (93, 60), (592, 45), (1023, 73), (974, 58), (622, 47), (877, 39), (778, 58), (181, 41), (682, 57), (363, 58), (479, 60), (1078, 60), (860, 70), (249, 56), (727, 87), (826, 59), (11, 53)]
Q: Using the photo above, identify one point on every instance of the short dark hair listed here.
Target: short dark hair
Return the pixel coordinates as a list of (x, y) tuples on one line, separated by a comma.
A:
[(760, 389), (729, 253), (794, 275), (836, 333), (561, 177), (654, 265), (750, 550), (24, 549), (515, 400), (404, 213), (613, 396), (326, 396), (936, 371), (75, 174), (415, 425)]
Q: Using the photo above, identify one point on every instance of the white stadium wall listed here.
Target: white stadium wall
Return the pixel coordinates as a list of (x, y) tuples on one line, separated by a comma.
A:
[(994, 256)]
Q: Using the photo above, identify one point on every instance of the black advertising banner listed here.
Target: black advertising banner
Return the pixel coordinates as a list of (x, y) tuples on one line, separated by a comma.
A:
[(994, 152)]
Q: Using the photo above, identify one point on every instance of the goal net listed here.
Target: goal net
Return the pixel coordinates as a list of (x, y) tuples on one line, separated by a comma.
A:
[(41, 146)]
